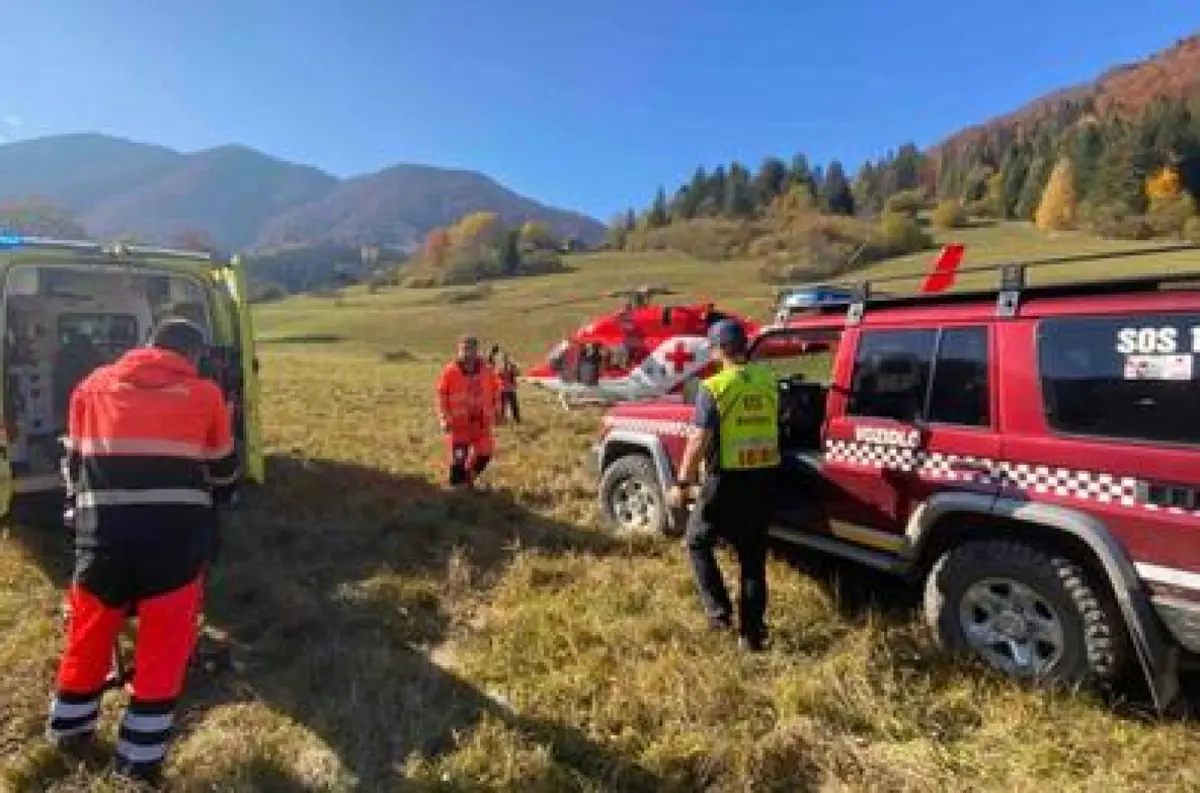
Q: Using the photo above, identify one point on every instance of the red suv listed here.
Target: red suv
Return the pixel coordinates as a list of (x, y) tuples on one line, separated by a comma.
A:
[(1031, 455)]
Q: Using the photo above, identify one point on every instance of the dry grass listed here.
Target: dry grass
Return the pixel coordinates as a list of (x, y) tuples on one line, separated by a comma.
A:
[(387, 635)]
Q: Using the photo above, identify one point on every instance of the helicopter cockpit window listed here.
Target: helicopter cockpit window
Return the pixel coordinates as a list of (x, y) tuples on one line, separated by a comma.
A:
[(558, 357)]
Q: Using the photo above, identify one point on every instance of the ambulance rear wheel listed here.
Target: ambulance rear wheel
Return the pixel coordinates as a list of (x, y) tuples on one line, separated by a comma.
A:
[(631, 499)]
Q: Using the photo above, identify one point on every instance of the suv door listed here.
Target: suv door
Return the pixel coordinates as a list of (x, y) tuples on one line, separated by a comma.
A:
[(6, 474), (917, 417), (231, 283), (799, 358)]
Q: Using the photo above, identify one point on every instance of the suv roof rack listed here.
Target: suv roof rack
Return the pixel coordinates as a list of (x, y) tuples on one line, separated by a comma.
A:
[(18, 242), (855, 296)]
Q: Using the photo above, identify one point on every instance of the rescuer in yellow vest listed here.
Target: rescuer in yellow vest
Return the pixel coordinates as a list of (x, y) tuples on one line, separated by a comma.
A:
[(735, 428)]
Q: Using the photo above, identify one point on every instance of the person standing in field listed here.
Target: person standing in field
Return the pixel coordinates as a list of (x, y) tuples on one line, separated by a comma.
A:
[(735, 429), (149, 448), (468, 404), (508, 374)]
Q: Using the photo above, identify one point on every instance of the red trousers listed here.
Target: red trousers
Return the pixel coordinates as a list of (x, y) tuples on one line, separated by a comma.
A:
[(166, 636), (470, 452)]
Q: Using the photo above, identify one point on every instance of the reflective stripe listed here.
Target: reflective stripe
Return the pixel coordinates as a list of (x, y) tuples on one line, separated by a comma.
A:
[(78, 729), (121, 498), (141, 754), (157, 722), (72, 710), (1168, 575), (220, 452), (141, 446), (222, 481)]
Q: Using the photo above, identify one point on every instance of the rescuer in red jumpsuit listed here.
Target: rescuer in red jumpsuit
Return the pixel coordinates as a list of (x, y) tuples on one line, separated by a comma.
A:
[(468, 397), (148, 446)]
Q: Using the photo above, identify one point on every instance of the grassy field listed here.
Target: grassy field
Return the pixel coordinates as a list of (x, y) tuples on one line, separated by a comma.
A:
[(388, 635)]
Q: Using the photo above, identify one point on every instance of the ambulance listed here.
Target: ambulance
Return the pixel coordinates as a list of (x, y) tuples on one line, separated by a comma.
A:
[(71, 306)]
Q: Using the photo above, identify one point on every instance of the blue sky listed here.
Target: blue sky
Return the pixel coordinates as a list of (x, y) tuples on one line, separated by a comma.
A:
[(588, 105)]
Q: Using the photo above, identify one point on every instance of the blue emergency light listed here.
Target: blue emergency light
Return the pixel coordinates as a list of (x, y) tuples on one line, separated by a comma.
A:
[(815, 297), (11, 241)]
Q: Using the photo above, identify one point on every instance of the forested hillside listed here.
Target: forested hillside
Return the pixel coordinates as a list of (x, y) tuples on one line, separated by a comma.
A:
[(1120, 157)]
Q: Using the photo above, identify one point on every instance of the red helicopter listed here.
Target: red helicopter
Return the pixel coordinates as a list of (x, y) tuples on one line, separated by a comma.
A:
[(644, 350)]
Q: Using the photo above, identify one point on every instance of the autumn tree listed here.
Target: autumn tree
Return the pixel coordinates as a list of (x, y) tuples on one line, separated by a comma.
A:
[(36, 217), (949, 214), (535, 234), (476, 229), (1164, 184), (1059, 205), (191, 239), (437, 244), (905, 202)]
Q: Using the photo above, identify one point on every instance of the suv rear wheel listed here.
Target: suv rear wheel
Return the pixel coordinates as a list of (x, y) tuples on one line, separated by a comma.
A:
[(631, 500), (1023, 611)]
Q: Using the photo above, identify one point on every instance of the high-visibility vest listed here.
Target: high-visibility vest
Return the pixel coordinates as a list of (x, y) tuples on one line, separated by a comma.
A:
[(747, 400)]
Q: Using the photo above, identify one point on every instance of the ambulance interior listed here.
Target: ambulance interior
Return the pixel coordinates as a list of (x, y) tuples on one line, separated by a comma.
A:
[(61, 323)]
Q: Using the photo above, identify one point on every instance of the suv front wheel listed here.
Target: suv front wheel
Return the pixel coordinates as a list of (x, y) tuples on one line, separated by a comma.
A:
[(1025, 612), (631, 499)]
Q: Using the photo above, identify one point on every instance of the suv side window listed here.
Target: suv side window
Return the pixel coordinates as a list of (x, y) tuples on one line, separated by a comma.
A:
[(1130, 377), (960, 379), (941, 375), (891, 373)]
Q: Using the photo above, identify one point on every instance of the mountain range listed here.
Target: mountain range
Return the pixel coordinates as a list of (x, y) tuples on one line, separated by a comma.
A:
[(243, 199)]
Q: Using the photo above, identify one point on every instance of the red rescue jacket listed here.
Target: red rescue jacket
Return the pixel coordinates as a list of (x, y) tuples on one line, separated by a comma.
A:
[(147, 441), (468, 401)]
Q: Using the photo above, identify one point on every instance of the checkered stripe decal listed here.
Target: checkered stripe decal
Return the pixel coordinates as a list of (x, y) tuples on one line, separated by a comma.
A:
[(651, 426), (1042, 479)]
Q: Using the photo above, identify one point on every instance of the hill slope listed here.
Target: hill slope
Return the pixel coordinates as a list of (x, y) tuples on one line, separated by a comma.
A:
[(245, 199), (421, 197), (1173, 73)]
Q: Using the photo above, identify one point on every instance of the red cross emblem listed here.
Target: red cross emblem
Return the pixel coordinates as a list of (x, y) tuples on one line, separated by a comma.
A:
[(681, 356)]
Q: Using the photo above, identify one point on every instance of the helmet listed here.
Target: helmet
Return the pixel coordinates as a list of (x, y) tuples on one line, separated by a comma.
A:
[(728, 335)]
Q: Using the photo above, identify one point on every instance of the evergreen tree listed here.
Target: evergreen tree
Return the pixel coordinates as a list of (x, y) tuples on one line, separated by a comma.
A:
[(658, 215), (836, 196), (1116, 186), (690, 200), (907, 167), (1087, 150), (1035, 182), (868, 199), (801, 174), (770, 181), (510, 251), (738, 195), (1014, 171)]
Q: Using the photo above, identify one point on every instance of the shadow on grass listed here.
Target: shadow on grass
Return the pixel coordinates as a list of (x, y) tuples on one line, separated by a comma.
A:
[(333, 583), (862, 593), (303, 338), (858, 591)]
